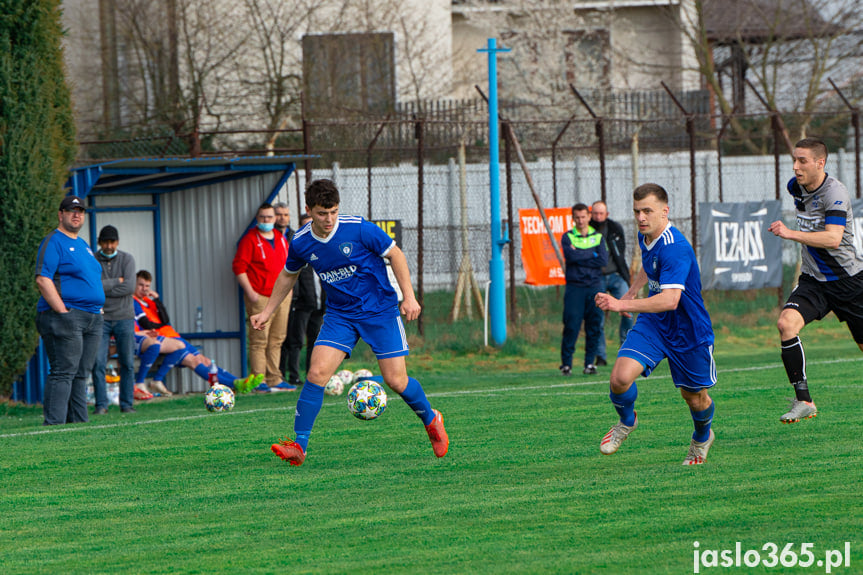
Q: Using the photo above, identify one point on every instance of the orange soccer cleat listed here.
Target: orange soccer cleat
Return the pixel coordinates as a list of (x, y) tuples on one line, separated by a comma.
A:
[(290, 451)]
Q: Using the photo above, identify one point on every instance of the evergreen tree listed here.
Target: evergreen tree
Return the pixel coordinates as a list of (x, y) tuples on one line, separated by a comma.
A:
[(37, 147)]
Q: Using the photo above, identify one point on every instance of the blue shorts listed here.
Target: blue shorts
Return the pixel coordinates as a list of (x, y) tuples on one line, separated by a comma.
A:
[(386, 336), (139, 341), (189, 347), (693, 370)]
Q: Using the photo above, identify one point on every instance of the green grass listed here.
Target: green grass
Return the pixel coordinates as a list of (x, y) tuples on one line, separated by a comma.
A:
[(524, 489)]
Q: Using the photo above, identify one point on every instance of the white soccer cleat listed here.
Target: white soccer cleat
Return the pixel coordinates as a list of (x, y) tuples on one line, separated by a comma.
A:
[(615, 436), (799, 410), (698, 451)]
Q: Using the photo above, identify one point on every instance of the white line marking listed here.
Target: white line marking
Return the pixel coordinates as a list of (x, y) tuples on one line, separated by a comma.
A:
[(62, 429)]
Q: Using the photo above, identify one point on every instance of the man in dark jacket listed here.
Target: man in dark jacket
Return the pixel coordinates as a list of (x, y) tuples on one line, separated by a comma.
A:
[(615, 274), (307, 316), (585, 254), (118, 281)]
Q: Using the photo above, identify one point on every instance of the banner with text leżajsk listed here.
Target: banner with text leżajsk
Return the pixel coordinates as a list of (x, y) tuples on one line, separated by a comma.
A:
[(736, 250), (541, 266)]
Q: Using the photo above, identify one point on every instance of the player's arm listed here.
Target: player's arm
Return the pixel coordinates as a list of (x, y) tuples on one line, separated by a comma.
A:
[(50, 294), (283, 286), (410, 307), (830, 238), (666, 300), (639, 282)]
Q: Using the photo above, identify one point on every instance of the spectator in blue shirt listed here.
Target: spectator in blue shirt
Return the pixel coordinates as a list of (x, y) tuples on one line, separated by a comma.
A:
[(69, 314)]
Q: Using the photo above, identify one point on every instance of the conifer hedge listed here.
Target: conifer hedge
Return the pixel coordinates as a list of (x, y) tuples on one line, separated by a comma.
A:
[(37, 147)]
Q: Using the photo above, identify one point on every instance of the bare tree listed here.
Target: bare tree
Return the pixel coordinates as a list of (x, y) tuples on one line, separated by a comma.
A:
[(785, 48)]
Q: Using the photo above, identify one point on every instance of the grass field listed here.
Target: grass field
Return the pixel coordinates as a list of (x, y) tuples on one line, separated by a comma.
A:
[(524, 489)]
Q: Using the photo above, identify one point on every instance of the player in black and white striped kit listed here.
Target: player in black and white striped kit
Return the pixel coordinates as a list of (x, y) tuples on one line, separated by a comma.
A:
[(831, 273)]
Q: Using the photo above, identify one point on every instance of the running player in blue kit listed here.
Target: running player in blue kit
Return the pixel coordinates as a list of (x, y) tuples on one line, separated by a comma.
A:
[(672, 324), (347, 253)]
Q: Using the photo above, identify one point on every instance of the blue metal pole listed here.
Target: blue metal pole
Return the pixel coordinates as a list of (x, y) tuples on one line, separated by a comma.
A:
[(497, 297)]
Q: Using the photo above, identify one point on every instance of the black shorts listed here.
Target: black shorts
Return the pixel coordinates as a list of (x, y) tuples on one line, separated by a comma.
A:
[(844, 297)]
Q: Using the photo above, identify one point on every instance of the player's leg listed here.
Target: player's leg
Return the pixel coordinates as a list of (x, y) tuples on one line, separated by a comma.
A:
[(806, 304), (325, 361), (386, 337), (147, 349), (174, 351), (623, 393), (694, 373), (639, 355)]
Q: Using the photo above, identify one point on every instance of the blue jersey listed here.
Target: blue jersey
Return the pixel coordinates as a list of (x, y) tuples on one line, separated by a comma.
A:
[(350, 265), (669, 262), (75, 271)]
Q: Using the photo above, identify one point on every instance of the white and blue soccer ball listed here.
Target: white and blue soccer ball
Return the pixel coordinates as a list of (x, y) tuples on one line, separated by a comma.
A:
[(219, 398), (367, 399), (362, 374), (335, 386), (347, 376)]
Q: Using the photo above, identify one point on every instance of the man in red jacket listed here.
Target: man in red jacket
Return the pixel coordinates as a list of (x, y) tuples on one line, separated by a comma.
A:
[(260, 257)]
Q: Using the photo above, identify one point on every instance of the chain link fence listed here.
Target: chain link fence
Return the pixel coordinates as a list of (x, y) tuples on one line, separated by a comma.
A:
[(426, 166)]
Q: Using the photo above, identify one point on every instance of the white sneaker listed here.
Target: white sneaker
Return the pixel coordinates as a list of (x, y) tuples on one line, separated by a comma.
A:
[(615, 436), (698, 451), (799, 410), (159, 387)]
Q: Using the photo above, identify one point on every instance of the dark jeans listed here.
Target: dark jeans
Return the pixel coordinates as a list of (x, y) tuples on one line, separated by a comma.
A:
[(302, 324), (123, 331), (71, 343), (616, 286), (578, 306)]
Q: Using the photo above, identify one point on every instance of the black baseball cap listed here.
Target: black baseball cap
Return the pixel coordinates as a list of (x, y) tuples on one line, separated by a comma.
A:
[(71, 203), (109, 234)]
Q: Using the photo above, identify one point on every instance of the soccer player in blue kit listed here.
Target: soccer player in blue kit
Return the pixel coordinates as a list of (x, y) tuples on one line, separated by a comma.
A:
[(672, 323), (347, 253)]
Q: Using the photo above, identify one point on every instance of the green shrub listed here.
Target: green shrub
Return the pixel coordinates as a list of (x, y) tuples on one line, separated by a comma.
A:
[(37, 146)]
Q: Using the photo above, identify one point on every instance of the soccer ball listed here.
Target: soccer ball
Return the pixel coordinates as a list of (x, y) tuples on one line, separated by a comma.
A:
[(347, 376), (367, 400), (362, 374), (219, 398), (335, 386)]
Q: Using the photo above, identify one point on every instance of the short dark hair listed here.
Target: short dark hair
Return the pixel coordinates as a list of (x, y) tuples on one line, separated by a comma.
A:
[(817, 145), (654, 190), (323, 193), (144, 275), (580, 208), (264, 206), (304, 217)]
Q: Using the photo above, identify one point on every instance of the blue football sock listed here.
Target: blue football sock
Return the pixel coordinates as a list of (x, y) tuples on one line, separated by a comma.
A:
[(415, 397), (146, 360), (202, 371), (624, 403), (308, 406), (170, 361), (226, 377), (702, 420)]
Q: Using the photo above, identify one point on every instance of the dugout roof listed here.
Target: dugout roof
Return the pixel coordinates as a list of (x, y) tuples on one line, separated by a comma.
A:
[(159, 176)]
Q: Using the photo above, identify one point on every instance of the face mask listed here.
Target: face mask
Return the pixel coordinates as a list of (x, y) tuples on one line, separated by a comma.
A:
[(109, 256), (266, 227)]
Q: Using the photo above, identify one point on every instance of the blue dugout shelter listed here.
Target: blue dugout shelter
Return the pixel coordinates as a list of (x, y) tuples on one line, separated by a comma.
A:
[(181, 219)]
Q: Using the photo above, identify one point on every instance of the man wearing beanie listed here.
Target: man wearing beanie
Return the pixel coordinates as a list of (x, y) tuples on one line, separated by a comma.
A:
[(118, 281)]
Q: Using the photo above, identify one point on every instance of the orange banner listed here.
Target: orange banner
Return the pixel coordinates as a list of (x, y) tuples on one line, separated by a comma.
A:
[(541, 266)]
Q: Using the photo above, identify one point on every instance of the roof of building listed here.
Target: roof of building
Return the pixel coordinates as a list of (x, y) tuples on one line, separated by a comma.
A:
[(755, 21)]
